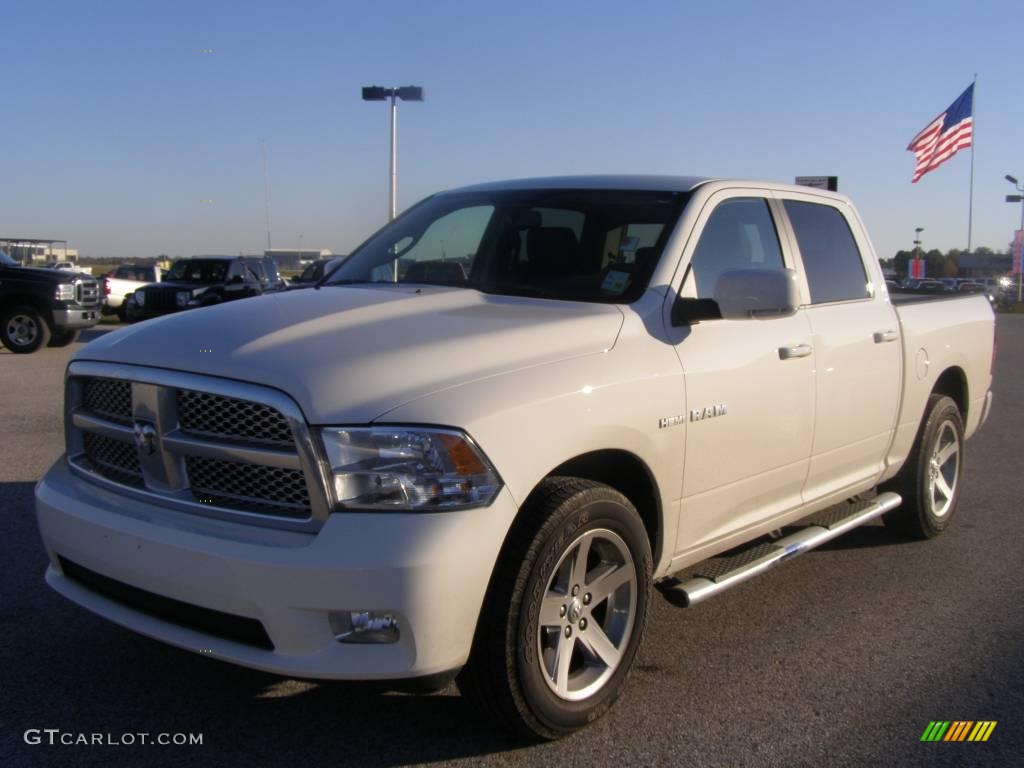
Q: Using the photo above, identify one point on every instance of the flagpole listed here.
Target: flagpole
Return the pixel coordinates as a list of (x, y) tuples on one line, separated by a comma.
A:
[(974, 125)]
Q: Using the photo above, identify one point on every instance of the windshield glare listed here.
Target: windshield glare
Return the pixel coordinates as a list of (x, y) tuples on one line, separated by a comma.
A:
[(6, 260), (198, 271), (577, 245)]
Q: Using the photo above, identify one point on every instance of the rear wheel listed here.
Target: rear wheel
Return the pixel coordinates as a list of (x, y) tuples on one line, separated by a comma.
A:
[(565, 611), (23, 330), (63, 338), (930, 480)]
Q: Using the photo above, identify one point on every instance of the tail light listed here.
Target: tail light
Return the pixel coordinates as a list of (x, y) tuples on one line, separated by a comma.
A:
[(106, 287)]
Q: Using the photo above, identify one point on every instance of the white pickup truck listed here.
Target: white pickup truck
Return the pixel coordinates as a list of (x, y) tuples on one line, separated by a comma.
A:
[(126, 279), (511, 415)]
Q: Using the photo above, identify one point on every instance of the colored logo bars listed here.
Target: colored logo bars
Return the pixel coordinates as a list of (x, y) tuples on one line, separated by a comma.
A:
[(958, 730)]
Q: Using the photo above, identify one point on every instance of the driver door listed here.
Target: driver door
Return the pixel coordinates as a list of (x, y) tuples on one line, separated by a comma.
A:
[(749, 383)]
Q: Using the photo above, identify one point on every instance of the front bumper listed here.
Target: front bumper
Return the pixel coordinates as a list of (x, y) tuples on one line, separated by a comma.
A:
[(72, 319), (429, 570)]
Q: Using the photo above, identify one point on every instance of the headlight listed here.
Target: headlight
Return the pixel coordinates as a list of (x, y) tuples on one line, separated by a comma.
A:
[(407, 468), (65, 292), (139, 297), (183, 298)]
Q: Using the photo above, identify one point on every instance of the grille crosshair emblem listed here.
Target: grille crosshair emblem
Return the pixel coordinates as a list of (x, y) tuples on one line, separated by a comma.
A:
[(145, 437)]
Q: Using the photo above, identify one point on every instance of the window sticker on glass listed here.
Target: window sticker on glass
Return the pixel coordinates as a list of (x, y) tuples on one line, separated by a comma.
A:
[(615, 281), (629, 244)]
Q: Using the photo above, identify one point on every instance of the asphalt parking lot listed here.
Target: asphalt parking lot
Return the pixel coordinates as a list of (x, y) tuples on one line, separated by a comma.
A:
[(841, 657)]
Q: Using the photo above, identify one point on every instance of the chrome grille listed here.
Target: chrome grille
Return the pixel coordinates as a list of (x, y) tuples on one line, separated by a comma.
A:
[(206, 445), (109, 398), (87, 292), (200, 413), (114, 459), (248, 487)]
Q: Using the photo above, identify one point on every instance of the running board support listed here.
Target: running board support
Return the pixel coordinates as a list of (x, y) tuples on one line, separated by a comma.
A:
[(718, 574)]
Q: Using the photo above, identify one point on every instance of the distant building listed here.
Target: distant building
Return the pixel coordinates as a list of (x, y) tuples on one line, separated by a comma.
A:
[(984, 264), (293, 258), (29, 250)]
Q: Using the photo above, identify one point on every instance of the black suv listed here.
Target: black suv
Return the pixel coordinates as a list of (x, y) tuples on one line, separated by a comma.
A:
[(202, 282), (40, 307)]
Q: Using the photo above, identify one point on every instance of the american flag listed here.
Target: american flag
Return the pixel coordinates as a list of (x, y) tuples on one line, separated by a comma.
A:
[(944, 136)]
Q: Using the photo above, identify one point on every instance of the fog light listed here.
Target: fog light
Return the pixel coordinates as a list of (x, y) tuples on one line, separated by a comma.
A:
[(363, 627)]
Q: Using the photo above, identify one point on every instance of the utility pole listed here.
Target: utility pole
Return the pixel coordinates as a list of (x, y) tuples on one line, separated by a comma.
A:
[(1018, 198)]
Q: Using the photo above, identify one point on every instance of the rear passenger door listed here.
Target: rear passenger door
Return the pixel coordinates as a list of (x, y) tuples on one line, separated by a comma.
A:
[(856, 343)]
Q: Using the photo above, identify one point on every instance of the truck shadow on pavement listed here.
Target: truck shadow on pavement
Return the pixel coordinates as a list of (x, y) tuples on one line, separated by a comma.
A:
[(68, 669), (91, 334)]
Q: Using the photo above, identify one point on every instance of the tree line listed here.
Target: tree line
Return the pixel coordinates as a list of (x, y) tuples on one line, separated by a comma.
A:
[(937, 263)]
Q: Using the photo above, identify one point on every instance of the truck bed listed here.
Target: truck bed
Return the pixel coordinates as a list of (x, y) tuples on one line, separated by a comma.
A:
[(913, 297)]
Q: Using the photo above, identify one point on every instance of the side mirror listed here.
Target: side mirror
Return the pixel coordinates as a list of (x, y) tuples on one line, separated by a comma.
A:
[(742, 294)]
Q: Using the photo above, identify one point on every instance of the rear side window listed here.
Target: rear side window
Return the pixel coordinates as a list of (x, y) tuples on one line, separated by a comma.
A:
[(832, 261)]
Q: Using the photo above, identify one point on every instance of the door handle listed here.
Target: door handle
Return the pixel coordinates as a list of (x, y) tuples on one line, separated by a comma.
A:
[(881, 337), (797, 350)]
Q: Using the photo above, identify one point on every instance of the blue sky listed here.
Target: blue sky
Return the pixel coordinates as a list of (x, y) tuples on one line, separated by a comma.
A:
[(117, 124)]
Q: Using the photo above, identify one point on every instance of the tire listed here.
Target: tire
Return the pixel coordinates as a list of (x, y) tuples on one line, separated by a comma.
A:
[(930, 480), (23, 330), (63, 338), (122, 315), (550, 654)]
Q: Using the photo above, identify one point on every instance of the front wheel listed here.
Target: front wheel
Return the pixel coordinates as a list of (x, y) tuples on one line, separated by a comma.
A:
[(929, 482), (565, 611), (23, 330)]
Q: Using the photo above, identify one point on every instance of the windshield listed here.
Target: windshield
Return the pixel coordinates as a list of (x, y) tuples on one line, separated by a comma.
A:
[(577, 245), (198, 271), (6, 260)]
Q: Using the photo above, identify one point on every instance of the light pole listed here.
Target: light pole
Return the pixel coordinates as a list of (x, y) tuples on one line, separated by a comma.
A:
[(405, 93), (1018, 198)]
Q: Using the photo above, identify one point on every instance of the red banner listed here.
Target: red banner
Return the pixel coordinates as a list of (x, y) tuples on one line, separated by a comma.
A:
[(917, 268)]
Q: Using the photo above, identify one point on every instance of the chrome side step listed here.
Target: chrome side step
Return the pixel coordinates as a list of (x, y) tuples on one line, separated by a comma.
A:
[(718, 574)]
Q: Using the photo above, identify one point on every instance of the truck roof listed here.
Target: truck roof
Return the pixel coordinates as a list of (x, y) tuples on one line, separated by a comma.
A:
[(641, 182)]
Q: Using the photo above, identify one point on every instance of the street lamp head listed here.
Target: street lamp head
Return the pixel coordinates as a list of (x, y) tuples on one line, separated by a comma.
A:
[(1014, 198), (919, 230), (405, 93), (1010, 179), (410, 93)]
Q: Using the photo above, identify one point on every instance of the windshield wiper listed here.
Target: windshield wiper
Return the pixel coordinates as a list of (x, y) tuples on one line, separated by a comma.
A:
[(520, 289), (323, 282)]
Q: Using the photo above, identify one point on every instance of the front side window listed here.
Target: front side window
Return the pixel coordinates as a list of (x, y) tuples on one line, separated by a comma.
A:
[(576, 245), (739, 234), (832, 261)]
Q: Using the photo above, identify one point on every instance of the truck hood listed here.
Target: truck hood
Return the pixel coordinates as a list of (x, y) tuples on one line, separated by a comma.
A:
[(349, 354), (41, 275)]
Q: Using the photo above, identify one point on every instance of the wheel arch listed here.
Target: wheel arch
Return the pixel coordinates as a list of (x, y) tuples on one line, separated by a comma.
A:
[(628, 474), (28, 300), (952, 382)]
